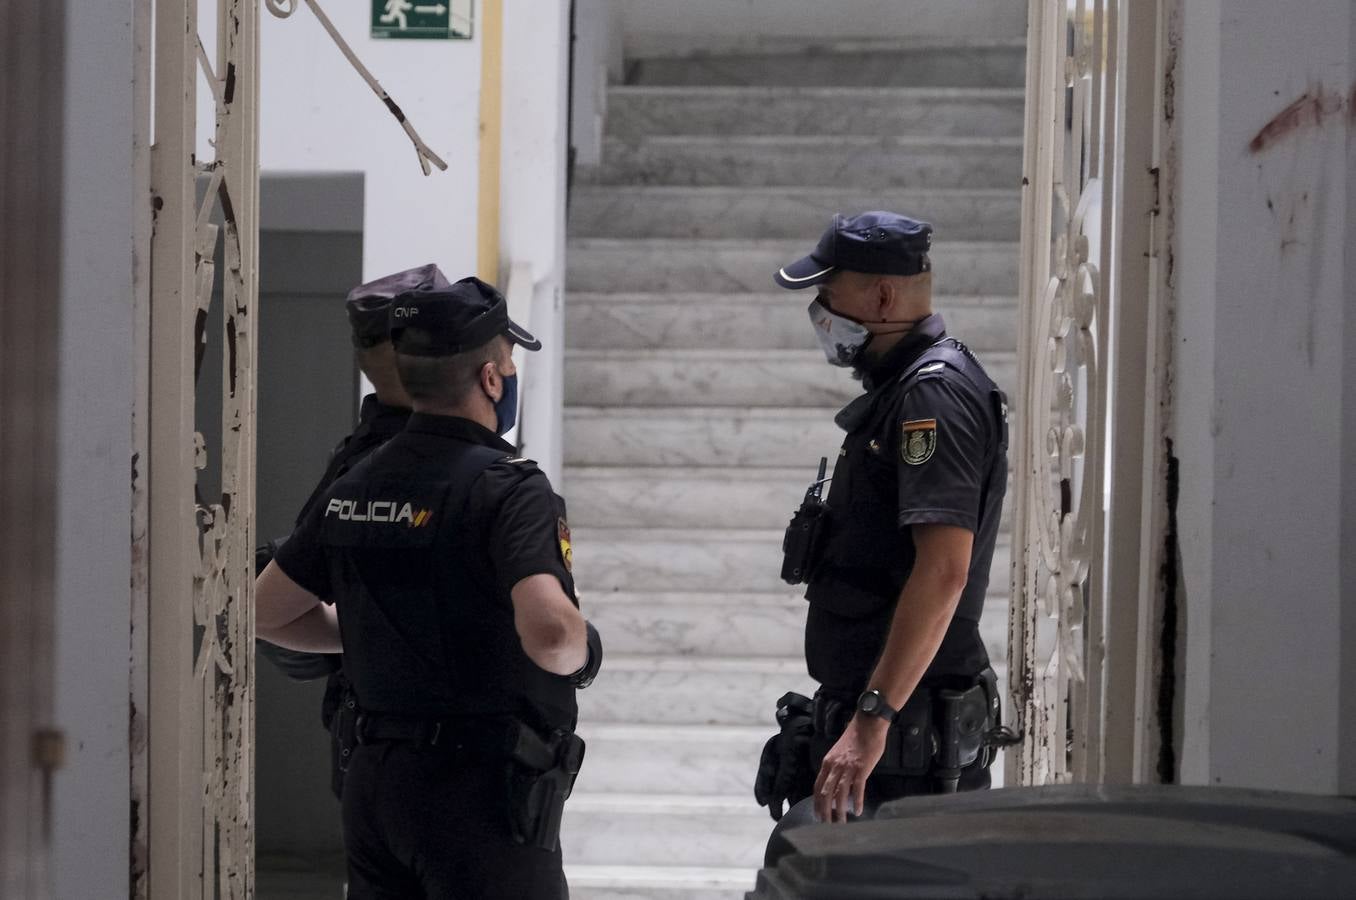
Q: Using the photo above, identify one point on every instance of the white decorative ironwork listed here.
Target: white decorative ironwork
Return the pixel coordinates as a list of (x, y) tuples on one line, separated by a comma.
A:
[(193, 575), (224, 581), (193, 783), (1056, 625)]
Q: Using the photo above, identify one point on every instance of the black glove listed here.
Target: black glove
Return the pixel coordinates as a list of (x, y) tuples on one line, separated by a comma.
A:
[(264, 555), (784, 771), (583, 677), (297, 665)]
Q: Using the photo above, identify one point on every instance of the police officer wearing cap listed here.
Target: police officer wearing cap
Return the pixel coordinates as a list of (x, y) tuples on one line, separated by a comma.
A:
[(382, 415), (449, 566), (896, 559)]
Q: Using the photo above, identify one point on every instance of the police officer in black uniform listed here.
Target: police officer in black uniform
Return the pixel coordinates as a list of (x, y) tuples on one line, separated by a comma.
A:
[(448, 561), (897, 559), (382, 415)]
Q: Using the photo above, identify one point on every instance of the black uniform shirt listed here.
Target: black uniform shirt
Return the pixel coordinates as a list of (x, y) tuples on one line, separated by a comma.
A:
[(932, 454), (377, 423), (428, 627)]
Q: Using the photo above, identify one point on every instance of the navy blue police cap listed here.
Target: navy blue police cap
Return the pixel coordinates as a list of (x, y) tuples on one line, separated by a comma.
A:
[(446, 321), (369, 304), (879, 243)]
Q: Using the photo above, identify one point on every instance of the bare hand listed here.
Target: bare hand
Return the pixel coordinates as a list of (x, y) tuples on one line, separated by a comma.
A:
[(843, 774)]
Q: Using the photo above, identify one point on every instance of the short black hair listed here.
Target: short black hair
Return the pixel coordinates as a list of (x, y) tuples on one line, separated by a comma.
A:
[(375, 356), (447, 379)]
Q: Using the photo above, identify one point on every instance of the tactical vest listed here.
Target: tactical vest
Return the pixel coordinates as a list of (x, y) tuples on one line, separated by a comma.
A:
[(424, 634), (867, 559)]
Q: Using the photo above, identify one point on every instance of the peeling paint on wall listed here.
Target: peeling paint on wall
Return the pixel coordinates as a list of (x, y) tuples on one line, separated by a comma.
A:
[(1311, 110)]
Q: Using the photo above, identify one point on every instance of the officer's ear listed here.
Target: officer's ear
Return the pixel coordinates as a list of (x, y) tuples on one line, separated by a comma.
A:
[(884, 296), (491, 382)]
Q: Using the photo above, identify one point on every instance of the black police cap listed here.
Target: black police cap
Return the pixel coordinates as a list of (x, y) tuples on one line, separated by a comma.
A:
[(880, 243), (369, 304), (452, 320)]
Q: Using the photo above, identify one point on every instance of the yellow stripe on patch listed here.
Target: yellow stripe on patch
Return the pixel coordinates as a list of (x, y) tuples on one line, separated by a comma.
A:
[(920, 425)]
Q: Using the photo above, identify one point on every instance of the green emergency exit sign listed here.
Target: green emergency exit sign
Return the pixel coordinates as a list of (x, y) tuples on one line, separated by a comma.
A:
[(430, 20)]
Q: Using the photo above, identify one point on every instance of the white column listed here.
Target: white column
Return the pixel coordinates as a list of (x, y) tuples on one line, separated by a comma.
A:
[(1347, 677), (532, 207), (1263, 289), (94, 454)]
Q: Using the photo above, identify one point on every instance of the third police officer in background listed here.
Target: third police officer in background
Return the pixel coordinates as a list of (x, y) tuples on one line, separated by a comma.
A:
[(382, 416), (897, 559), (448, 561)]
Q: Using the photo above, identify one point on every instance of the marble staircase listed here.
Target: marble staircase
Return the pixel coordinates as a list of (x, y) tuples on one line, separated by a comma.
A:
[(697, 405)]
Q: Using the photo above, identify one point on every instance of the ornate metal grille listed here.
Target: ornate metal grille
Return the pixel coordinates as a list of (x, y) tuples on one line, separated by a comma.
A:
[(1056, 625), (192, 781)]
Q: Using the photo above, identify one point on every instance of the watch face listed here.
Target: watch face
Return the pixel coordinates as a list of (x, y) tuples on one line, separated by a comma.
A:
[(869, 702)]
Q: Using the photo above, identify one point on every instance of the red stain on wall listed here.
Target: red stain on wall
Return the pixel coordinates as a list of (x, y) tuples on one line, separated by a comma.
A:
[(1311, 108)]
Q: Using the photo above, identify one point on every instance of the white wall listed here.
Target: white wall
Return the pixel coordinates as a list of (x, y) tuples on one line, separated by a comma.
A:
[(662, 26), (1347, 710), (532, 207), (597, 62), (317, 115), (1260, 376), (93, 556)]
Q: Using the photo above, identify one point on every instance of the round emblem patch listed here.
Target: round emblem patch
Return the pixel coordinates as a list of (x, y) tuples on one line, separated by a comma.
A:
[(918, 441)]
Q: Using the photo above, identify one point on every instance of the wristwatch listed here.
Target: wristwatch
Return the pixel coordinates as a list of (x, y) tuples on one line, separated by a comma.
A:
[(872, 703)]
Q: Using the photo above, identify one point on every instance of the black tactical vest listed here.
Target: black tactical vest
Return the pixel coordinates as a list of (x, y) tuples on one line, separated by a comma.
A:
[(867, 558), (426, 634)]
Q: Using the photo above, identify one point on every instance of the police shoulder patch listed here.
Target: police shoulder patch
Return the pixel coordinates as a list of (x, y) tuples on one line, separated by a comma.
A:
[(918, 441), (566, 550)]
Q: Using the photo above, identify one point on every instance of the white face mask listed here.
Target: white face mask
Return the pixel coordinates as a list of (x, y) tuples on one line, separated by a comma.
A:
[(842, 339)]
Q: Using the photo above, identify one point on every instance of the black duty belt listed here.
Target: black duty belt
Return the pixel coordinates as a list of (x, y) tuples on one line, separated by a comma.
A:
[(478, 734)]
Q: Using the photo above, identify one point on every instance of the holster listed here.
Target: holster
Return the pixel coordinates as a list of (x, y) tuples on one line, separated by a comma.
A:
[(962, 723), (541, 776), (803, 543)]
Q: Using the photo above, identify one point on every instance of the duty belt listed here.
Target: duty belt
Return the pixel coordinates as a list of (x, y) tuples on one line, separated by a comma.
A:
[(939, 731), (496, 737)]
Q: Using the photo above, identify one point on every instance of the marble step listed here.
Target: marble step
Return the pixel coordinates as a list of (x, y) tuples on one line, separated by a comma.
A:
[(688, 559), (691, 690), (699, 436), (632, 497), (636, 110), (869, 63), (680, 497), (767, 623), (612, 882), (677, 559), (765, 321), (619, 211), (657, 829), (728, 624), (695, 690), (732, 266), (741, 378), (676, 759), (705, 436), (847, 162)]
